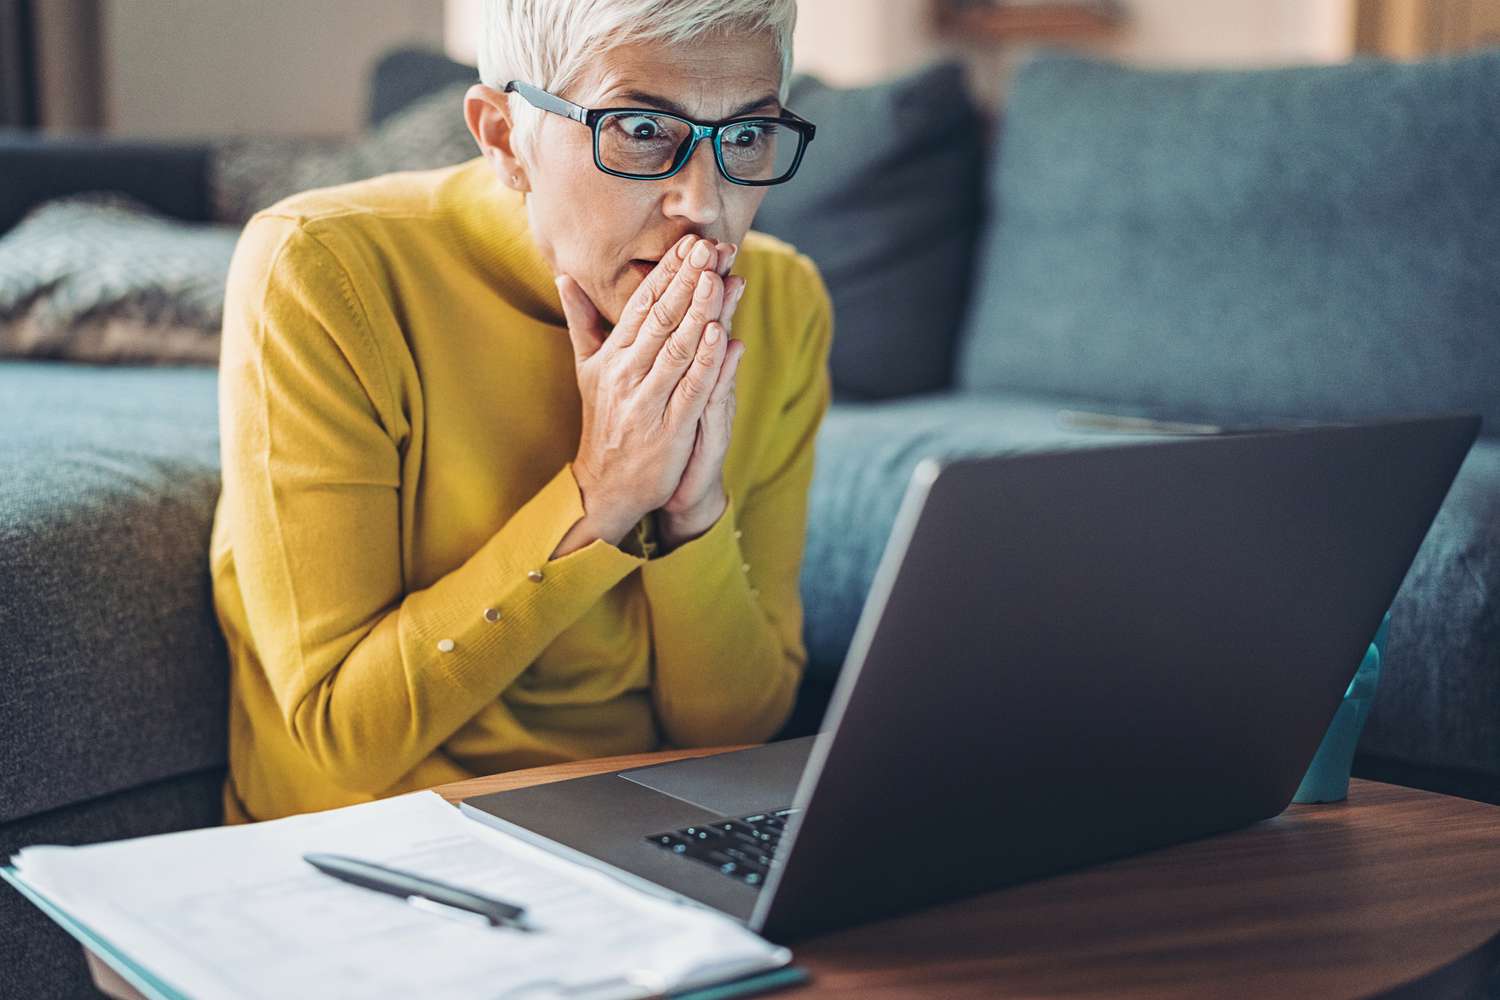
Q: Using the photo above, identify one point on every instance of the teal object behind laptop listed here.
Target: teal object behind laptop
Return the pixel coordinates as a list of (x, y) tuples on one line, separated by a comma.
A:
[(1327, 778)]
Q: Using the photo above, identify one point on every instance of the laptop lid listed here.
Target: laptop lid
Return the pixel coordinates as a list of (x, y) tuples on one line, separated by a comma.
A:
[(1074, 656)]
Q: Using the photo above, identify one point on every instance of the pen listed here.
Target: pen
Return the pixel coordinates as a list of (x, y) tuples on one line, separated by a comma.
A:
[(422, 892)]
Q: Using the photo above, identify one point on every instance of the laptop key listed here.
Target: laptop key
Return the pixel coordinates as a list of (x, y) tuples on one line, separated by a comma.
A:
[(670, 841), (748, 860), (742, 848)]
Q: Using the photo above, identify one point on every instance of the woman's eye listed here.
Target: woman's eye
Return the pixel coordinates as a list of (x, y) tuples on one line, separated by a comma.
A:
[(640, 127), (746, 136)]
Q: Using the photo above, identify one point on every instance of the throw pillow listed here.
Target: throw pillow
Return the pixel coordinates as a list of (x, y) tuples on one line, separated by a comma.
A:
[(886, 202), (249, 173), (101, 277)]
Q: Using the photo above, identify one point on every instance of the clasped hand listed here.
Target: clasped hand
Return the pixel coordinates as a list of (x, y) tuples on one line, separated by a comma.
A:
[(658, 393)]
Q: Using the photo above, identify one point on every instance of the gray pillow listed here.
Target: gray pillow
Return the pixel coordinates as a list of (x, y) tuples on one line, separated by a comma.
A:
[(886, 203), (248, 173), (1319, 242)]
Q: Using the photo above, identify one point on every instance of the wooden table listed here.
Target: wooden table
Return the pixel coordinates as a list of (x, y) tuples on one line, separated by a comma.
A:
[(1395, 892)]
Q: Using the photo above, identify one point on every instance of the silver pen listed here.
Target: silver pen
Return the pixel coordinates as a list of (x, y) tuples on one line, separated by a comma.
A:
[(422, 892)]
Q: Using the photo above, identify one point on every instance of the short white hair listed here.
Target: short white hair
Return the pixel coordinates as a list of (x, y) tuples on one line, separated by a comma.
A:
[(548, 43)]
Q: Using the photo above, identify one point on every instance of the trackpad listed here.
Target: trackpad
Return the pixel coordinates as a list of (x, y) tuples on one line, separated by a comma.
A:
[(735, 783)]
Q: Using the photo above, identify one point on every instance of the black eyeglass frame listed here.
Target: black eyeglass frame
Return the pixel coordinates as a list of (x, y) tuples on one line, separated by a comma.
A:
[(591, 117)]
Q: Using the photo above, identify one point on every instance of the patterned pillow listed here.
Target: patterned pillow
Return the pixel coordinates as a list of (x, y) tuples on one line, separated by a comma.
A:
[(249, 173), (101, 277)]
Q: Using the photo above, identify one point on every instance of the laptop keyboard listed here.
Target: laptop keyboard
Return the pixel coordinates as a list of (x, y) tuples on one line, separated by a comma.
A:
[(743, 848)]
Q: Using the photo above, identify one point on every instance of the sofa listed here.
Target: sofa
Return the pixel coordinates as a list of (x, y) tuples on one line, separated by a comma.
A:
[(1309, 243)]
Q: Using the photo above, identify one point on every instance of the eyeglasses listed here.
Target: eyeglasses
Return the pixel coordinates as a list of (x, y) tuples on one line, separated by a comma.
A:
[(647, 144)]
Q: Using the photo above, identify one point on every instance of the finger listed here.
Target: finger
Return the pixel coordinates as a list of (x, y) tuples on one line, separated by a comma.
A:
[(692, 391), (651, 288), (669, 311), (727, 254), (724, 388), (677, 354), (585, 324), (734, 290)]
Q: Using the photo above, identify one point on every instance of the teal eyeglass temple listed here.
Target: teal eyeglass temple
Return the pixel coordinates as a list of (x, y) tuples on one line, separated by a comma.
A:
[(804, 129)]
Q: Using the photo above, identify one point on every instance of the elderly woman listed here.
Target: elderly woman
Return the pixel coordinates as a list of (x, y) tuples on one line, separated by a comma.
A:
[(516, 453)]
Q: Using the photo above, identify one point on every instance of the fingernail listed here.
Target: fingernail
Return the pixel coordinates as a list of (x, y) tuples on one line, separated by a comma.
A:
[(704, 284), (700, 254), (734, 254), (682, 246), (739, 291), (711, 334)]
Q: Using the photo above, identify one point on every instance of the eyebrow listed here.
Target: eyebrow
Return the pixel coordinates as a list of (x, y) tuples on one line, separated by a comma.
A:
[(677, 109)]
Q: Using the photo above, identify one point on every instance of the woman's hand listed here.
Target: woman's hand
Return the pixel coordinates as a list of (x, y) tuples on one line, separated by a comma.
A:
[(699, 499), (645, 385)]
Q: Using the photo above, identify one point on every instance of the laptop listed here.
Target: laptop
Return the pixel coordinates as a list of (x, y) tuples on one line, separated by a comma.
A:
[(1064, 658)]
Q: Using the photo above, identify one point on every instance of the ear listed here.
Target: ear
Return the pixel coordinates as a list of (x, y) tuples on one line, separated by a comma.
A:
[(487, 112)]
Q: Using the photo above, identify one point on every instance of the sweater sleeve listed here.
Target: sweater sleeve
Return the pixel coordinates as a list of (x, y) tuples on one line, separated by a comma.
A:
[(370, 678), (726, 606)]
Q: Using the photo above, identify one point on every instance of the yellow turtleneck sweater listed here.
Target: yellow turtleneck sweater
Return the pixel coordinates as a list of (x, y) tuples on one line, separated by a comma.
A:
[(398, 416)]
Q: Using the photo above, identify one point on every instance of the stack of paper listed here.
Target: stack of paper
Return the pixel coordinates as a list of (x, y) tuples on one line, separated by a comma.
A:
[(236, 912)]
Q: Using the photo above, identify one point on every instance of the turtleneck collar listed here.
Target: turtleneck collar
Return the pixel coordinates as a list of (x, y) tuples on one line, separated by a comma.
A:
[(488, 219)]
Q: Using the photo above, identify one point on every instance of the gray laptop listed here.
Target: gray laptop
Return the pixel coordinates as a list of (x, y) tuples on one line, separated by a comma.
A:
[(1064, 657)]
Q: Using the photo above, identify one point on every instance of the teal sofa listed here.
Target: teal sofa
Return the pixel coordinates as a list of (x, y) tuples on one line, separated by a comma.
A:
[(1317, 243)]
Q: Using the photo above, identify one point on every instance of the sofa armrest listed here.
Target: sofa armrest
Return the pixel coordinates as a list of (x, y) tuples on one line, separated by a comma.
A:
[(170, 177)]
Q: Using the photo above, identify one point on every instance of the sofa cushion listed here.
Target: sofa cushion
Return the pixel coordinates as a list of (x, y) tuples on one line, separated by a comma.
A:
[(1438, 704), (112, 667), (886, 202), (1315, 242), (1439, 696), (406, 74)]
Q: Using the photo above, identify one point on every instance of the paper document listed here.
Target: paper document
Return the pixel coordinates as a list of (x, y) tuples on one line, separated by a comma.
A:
[(236, 912)]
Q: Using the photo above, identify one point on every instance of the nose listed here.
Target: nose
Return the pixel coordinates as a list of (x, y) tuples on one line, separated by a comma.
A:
[(695, 193)]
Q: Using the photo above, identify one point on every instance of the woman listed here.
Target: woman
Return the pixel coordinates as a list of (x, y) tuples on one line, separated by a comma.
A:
[(498, 488)]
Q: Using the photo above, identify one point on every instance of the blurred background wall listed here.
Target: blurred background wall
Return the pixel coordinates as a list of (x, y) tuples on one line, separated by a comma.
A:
[(192, 67), (852, 42), (165, 68)]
